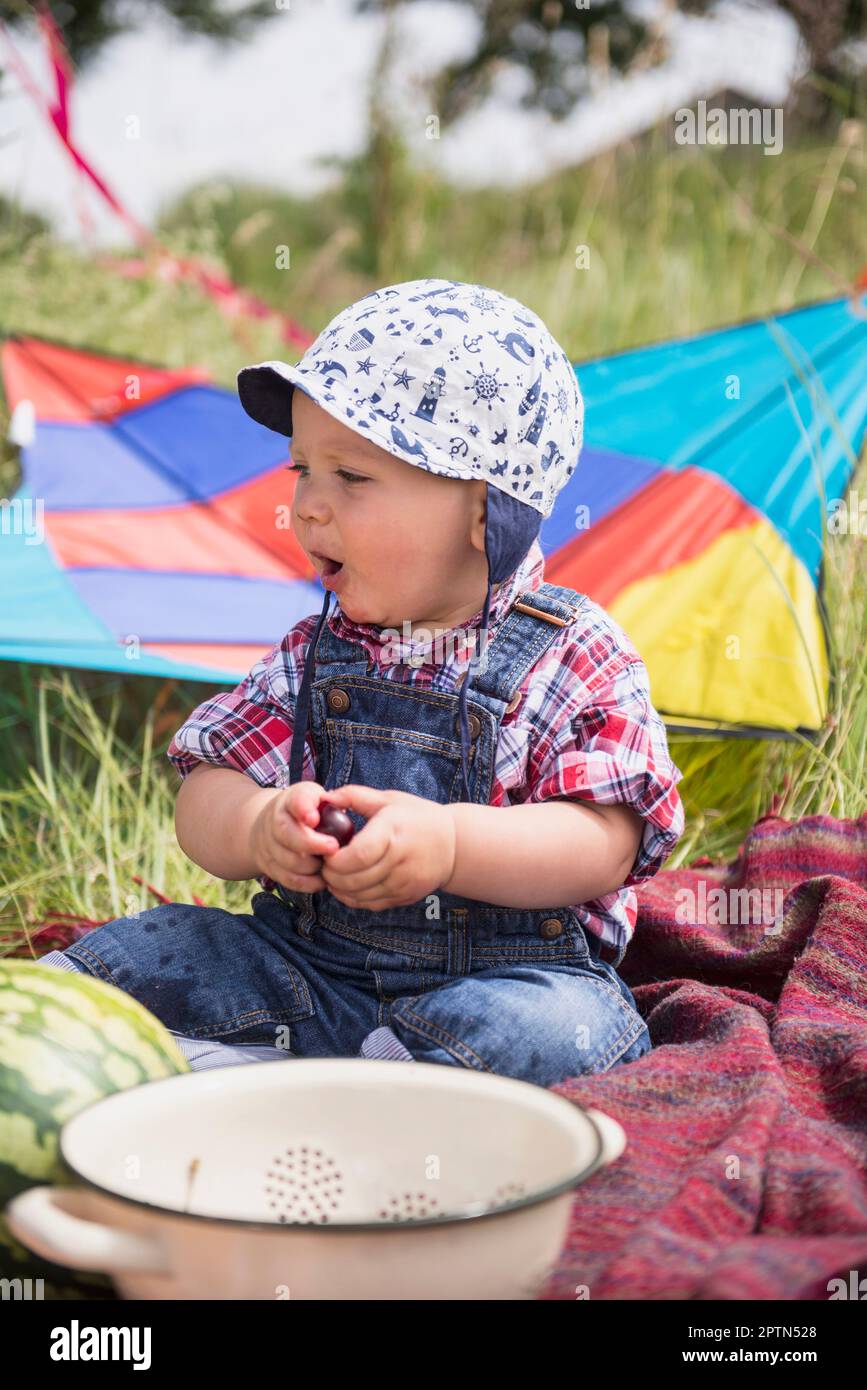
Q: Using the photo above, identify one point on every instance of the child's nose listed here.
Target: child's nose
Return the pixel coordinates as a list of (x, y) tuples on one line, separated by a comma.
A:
[(311, 502)]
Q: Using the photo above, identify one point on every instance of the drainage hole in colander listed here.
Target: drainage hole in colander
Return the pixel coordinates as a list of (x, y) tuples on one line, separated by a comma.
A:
[(292, 1186), (409, 1207), (506, 1193)]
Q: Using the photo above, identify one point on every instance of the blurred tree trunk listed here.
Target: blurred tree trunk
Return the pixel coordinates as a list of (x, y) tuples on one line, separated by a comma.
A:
[(386, 153)]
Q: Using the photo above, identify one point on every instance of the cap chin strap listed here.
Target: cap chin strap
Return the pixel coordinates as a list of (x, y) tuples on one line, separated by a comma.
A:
[(462, 698), (511, 526), (302, 703)]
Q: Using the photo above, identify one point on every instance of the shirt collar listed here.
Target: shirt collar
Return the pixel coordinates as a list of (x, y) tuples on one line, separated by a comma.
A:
[(527, 577)]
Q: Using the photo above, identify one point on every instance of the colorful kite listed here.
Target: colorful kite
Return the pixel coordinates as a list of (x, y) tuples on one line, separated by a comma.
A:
[(712, 468), (151, 531), (157, 497)]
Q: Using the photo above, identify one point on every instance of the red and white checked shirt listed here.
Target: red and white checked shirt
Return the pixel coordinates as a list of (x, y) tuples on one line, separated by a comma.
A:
[(584, 727)]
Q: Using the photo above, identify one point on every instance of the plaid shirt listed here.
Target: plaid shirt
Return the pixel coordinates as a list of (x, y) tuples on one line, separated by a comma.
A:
[(584, 727)]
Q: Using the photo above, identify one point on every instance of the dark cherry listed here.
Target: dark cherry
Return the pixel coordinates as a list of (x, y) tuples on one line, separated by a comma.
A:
[(333, 821)]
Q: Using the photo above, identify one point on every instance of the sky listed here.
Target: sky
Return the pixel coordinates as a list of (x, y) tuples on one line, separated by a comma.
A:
[(159, 112)]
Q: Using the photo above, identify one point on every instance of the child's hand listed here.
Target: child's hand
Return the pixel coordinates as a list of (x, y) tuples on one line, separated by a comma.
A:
[(405, 851), (283, 842)]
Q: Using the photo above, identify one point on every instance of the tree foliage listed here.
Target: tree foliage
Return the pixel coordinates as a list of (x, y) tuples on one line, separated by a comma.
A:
[(88, 25), (557, 43)]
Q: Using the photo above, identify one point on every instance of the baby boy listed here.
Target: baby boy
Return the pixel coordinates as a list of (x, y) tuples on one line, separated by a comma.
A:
[(491, 735)]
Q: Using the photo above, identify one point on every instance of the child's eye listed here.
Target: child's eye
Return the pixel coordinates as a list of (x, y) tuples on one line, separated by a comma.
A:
[(343, 473)]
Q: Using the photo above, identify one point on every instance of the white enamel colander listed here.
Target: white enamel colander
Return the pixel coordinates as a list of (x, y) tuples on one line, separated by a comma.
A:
[(320, 1178)]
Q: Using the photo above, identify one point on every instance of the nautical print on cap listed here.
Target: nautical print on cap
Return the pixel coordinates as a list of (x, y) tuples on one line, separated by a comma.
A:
[(455, 378)]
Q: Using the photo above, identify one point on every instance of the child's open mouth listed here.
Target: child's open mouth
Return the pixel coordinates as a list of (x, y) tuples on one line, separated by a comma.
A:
[(329, 568)]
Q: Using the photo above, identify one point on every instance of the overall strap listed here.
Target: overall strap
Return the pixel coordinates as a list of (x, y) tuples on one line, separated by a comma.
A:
[(334, 650), (534, 620)]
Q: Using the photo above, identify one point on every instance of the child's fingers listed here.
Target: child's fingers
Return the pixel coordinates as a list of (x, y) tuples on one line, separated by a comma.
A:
[(303, 800), (302, 817), (313, 883), (297, 834), (302, 863), (366, 848), (300, 839), (365, 800), (296, 871), (357, 879)]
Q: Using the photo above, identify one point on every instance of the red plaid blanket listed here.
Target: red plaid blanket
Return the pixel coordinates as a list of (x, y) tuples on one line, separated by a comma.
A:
[(745, 1171)]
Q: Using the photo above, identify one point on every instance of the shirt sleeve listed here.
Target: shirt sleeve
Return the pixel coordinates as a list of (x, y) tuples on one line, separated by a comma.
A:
[(250, 728), (613, 750)]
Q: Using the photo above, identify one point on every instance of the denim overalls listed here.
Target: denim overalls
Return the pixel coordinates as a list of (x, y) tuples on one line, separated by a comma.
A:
[(520, 992)]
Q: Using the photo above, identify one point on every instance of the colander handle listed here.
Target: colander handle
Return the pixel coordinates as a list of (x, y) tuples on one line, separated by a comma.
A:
[(36, 1219), (613, 1138)]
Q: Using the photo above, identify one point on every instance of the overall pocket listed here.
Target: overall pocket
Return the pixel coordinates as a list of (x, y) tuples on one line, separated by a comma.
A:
[(397, 759)]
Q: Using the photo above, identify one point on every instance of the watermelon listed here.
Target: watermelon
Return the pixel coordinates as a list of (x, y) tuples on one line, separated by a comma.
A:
[(65, 1041)]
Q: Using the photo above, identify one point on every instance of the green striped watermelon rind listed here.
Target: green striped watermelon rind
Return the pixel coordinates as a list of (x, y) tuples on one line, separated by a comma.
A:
[(66, 1040)]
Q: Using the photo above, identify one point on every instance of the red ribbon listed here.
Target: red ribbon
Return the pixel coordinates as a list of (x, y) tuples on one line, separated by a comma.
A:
[(231, 300)]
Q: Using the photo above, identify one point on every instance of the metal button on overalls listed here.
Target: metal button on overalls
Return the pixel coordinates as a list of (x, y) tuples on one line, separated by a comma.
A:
[(338, 700), (475, 725), (551, 927)]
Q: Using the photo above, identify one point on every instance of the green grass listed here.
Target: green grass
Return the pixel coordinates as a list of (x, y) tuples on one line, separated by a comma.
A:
[(679, 241)]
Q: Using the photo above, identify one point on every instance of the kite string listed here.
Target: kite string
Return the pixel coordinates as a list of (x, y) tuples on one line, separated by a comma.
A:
[(229, 298)]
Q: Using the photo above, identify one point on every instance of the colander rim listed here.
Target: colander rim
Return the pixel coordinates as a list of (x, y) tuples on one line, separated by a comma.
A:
[(278, 1227)]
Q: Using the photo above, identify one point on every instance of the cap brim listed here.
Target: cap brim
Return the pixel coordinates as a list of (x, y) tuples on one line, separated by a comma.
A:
[(265, 391)]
